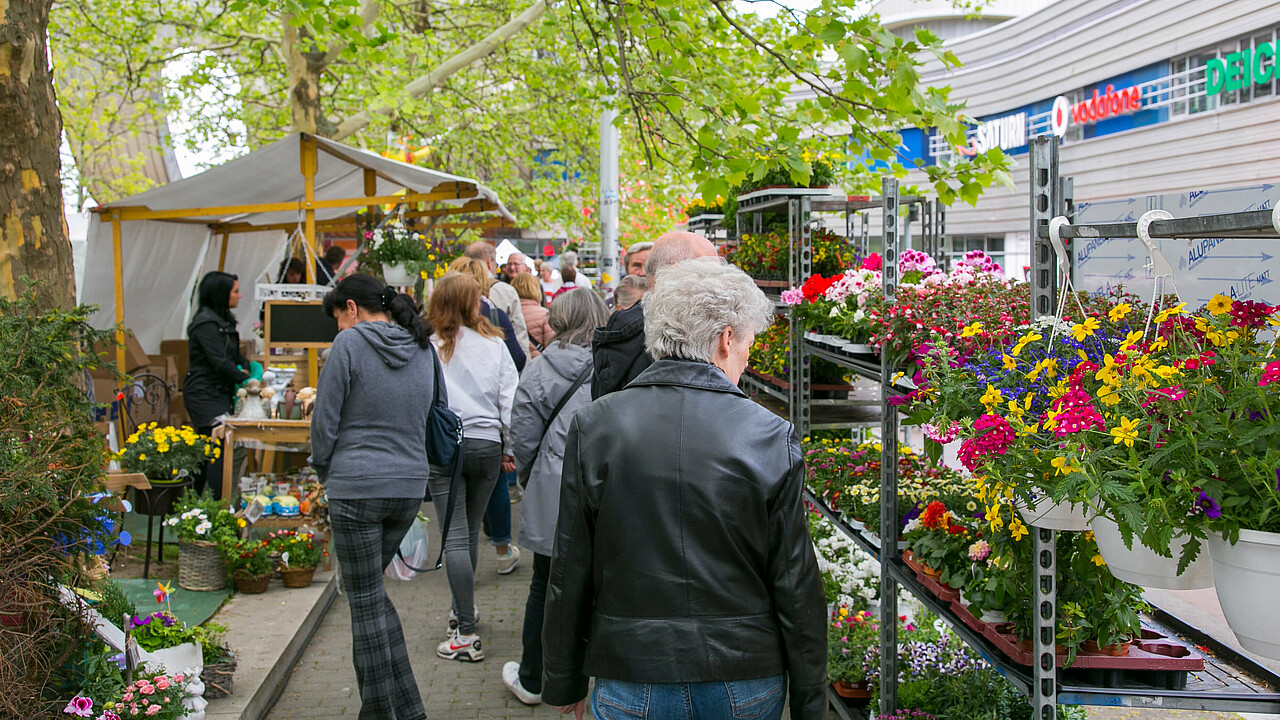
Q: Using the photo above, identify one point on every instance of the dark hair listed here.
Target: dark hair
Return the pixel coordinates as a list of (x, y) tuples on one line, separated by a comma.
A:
[(289, 265), (568, 275), (215, 292), (373, 295), (335, 255)]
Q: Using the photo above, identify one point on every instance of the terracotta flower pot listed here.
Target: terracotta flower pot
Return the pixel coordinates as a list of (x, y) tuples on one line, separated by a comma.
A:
[(852, 690), (1114, 649), (252, 585), (297, 577)]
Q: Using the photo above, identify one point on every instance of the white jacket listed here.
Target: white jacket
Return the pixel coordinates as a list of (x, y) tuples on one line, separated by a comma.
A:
[(481, 381)]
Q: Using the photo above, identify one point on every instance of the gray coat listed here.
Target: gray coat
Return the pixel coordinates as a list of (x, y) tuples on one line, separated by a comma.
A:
[(545, 381)]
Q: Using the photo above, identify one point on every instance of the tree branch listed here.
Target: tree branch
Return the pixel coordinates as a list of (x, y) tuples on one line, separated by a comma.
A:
[(434, 79)]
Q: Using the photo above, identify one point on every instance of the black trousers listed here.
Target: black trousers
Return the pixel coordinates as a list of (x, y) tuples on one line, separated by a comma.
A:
[(534, 611), (211, 477)]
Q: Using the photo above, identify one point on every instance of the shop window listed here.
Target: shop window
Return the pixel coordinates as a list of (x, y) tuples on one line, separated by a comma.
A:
[(992, 245), (1188, 74)]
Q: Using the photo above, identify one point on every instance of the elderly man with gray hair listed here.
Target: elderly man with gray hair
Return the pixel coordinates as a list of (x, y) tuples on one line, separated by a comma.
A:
[(683, 577), (618, 347), (569, 261)]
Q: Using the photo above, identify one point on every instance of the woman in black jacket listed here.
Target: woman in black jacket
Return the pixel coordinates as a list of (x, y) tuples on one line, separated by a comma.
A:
[(216, 365), (683, 577)]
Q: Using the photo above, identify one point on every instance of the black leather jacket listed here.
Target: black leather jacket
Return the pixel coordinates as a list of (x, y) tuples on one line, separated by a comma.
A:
[(682, 552), (617, 349), (214, 368)]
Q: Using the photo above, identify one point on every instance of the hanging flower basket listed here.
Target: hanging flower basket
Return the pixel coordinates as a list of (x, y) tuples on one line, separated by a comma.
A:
[(1142, 566), (1246, 574), (396, 275), (1054, 516)]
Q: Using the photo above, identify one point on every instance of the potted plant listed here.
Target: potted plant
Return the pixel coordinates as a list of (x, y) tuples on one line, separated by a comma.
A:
[(1192, 452), (299, 556), (403, 256), (250, 564), (849, 636), (202, 524), (940, 542), (169, 457)]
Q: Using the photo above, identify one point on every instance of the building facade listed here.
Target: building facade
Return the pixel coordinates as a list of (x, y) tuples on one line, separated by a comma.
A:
[(1155, 102)]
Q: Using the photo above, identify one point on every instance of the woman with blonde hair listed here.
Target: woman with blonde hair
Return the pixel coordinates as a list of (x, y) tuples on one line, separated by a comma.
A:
[(535, 313), (497, 316), (481, 379)]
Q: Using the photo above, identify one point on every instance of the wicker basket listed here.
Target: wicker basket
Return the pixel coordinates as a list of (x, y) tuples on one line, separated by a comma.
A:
[(217, 679), (200, 566), (253, 585), (297, 577)]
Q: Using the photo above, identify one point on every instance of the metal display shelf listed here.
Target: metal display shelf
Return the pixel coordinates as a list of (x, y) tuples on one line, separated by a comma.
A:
[(1229, 682), (1251, 224)]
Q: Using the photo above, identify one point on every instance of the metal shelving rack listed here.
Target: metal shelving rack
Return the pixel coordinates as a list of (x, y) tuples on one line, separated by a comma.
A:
[(1230, 681)]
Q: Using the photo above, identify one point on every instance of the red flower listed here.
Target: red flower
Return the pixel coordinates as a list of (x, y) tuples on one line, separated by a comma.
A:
[(873, 262), (816, 285), (934, 515)]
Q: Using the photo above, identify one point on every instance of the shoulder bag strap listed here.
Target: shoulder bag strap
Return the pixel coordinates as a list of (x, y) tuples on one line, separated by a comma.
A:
[(577, 383), (453, 482)]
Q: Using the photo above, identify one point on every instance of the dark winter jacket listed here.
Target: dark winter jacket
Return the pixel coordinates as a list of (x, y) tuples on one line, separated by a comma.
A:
[(682, 553), (209, 388), (501, 320), (618, 351)]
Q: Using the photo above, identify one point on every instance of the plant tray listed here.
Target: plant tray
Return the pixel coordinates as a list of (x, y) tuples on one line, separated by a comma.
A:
[(773, 284), (784, 385), (942, 591)]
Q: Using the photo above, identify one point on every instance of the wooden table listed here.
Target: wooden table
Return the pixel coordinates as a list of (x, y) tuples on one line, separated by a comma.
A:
[(280, 431)]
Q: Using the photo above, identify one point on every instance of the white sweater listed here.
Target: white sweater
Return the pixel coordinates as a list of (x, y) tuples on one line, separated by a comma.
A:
[(481, 381)]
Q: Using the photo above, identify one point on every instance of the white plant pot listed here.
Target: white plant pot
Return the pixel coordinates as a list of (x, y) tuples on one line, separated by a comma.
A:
[(396, 275), (858, 348), (1142, 566), (1247, 578), (1054, 516), (993, 616)]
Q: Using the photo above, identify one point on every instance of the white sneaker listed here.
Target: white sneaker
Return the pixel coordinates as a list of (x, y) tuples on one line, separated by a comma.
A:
[(507, 563), (453, 618), (511, 678), (459, 647)]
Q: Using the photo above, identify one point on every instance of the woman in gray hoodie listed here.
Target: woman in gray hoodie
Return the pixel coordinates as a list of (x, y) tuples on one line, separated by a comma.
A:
[(562, 373), (368, 445)]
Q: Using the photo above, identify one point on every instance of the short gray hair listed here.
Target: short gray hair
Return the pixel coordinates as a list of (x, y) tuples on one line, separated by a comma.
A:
[(632, 250), (569, 258), (482, 251), (693, 303), (574, 315)]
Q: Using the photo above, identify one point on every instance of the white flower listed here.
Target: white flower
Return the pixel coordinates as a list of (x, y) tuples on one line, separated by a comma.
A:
[(171, 522), (204, 527)]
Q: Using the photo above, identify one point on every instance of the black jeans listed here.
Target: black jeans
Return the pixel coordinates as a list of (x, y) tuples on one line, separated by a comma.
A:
[(210, 475), (534, 609)]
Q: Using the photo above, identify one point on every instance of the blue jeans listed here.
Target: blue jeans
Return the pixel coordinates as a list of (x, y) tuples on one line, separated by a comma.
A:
[(760, 699), (498, 512)]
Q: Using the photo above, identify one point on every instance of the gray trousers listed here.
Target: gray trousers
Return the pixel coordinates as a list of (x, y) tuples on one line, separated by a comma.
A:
[(481, 463)]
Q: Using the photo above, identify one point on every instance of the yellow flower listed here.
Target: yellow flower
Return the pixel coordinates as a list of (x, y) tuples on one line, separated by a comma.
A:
[(1024, 341), (1166, 372), (423, 274), (1108, 395), (1219, 305), (1015, 409), (1159, 344), (991, 396), (1126, 432), (1133, 338), (1080, 331), (241, 522), (1097, 560), (1063, 466), (971, 330), (1178, 309), (1117, 313), (1017, 529), (1009, 362), (142, 457)]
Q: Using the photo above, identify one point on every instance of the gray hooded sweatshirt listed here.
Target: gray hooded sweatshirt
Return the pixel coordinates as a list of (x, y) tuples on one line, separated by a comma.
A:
[(368, 427), (545, 381)]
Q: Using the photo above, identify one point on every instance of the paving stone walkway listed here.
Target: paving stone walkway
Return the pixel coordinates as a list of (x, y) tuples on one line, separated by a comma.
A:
[(323, 685)]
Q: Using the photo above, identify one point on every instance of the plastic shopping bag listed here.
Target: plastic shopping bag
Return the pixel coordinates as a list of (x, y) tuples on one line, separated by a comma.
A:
[(415, 550)]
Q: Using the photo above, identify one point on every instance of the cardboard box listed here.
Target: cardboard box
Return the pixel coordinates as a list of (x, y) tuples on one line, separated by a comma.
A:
[(104, 391), (181, 352), (178, 411), (164, 366), (134, 356)]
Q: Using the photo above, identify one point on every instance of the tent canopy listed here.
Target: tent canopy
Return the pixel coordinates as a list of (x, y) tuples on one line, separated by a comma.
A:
[(238, 216)]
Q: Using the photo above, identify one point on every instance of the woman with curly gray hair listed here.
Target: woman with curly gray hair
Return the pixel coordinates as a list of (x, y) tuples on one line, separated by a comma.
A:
[(683, 577)]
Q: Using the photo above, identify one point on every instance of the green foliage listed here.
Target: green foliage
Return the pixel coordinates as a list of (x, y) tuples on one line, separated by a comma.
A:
[(51, 459), (114, 604), (248, 558), (201, 518), (103, 676), (302, 548)]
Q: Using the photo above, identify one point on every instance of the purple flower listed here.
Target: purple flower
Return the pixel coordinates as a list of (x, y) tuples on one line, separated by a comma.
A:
[(1211, 508), (1278, 479), (80, 706)]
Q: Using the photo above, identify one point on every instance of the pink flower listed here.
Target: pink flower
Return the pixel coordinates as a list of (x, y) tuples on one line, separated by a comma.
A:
[(128, 696), (108, 715), (178, 678), (1271, 374), (795, 296), (162, 684), (79, 706), (153, 710), (146, 689), (873, 262)]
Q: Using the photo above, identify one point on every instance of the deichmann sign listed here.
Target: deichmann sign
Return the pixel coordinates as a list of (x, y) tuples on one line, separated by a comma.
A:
[(1006, 133), (1103, 105), (1240, 69)]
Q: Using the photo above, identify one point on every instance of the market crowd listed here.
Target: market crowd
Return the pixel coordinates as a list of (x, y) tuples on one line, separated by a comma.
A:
[(661, 512)]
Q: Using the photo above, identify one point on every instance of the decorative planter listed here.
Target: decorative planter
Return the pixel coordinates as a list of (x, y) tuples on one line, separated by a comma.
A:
[(200, 566), (1054, 516), (160, 497), (1246, 575), (858, 690), (253, 585), (218, 679), (1142, 566), (1114, 649), (396, 275), (297, 577)]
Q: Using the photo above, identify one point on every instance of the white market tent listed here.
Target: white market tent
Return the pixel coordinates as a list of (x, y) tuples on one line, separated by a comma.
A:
[(147, 252)]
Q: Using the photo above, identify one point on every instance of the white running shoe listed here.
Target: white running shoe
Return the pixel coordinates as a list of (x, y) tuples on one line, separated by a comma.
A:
[(507, 563), (459, 647), (453, 618), (511, 678)]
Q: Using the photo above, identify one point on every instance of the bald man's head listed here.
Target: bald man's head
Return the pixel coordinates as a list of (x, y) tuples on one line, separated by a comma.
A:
[(674, 247)]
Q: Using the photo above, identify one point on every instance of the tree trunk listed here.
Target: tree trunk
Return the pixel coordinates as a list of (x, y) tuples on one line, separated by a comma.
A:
[(305, 66), (33, 231)]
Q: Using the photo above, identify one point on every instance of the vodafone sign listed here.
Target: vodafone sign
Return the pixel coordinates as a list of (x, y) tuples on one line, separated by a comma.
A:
[(1103, 105)]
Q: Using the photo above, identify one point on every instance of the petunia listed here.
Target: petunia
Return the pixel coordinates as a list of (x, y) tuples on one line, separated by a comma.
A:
[(1211, 508)]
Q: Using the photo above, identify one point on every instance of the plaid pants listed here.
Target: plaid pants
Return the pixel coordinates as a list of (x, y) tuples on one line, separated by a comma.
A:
[(366, 534)]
